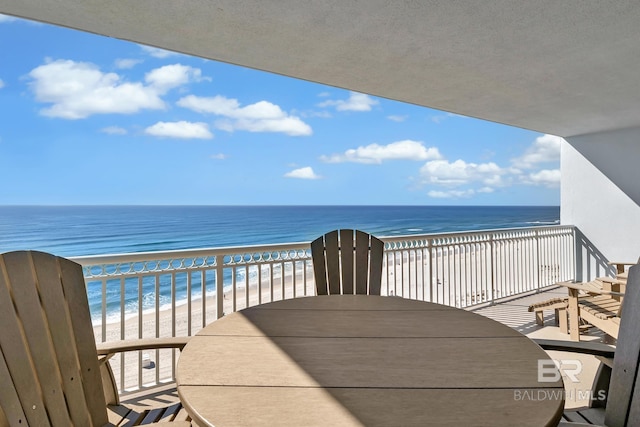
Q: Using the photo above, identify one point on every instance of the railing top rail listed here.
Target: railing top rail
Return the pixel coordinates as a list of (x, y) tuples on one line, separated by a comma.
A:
[(185, 253), (214, 251), (473, 232)]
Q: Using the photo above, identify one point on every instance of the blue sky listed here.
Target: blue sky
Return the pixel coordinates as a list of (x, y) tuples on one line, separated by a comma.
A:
[(92, 120)]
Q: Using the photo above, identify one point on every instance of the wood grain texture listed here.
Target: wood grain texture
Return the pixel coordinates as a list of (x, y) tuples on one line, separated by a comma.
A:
[(316, 407), (363, 360), (40, 345), (49, 368), (319, 266), (346, 262)]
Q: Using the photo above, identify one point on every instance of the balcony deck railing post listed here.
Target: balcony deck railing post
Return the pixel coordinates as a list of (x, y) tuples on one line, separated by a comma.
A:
[(189, 306), (203, 299), (493, 268), (219, 287), (537, 240), (430, 260)]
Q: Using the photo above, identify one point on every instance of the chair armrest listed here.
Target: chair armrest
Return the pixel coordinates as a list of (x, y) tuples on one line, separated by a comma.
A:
[(616, 263), (620, 265), (110, 348), (106, 350), (584, 347), (592, 289)]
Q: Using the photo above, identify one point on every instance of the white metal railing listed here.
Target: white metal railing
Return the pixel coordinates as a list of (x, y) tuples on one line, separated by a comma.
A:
[(467, 268), (175, 293)]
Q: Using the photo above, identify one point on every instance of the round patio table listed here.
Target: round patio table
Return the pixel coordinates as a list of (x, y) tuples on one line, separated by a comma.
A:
[(360, 360)]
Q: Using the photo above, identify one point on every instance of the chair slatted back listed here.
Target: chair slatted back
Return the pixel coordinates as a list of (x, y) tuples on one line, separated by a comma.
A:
[(623, 401), (49, 372), (347, 261)]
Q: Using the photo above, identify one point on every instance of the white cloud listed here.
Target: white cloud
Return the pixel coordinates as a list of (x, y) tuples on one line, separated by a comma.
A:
[(302, 173), (289, 125), (451, 194), (125, 63), (79, 89), (356, 102), (486, 190), (114, 130), (1, 84), (171, 76), (460, 178), (545, 149), (262, 116), (374, 153), (157, 53), (547, 177), (182, 129), (398, 119), (219, 156), (459, 173)]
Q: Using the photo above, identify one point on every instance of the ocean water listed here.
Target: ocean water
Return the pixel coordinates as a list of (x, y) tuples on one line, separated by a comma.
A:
[(91, 230)]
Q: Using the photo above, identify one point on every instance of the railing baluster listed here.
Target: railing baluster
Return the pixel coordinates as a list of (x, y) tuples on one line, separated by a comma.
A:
[(234, 288), (247, 285), (189, 306), (103, 314), (203, 299), (219, 289)]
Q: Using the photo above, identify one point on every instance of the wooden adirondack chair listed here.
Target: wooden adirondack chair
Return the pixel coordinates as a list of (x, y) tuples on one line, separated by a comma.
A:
[(593, 310), (623, 394), (342, 258), (599, 303), (50, 371), (594, 303)]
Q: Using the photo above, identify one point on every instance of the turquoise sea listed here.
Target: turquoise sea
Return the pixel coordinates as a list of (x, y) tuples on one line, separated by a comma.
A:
[(91, 230)]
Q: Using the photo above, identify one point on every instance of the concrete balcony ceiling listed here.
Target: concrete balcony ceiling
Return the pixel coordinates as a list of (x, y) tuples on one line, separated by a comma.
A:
[(566, 67)]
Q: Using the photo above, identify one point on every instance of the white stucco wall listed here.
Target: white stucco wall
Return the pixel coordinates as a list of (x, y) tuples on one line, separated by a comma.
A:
[(600, 191)]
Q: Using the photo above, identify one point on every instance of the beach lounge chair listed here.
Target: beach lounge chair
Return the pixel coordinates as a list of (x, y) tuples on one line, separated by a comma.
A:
[(622, 405), (51, 373), (347, 262)]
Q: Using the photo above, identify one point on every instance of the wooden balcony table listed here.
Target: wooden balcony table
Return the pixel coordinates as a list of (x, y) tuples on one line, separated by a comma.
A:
[(361, 360)]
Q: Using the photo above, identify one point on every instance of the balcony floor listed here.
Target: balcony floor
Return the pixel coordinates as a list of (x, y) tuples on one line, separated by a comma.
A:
[(513, 311)]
